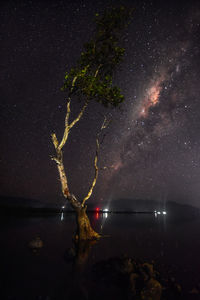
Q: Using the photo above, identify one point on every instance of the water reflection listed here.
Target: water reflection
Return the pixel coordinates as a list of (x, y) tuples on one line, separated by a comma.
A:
[(156, 213), (137, 235), (105, 215), (62, 216), (82, 250), (79, 283)]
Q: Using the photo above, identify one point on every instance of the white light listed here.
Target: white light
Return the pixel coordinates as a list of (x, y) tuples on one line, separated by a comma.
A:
[(62, 216), (63, 207), (164, 212), (106, 209), (158, 212), (105, 215)]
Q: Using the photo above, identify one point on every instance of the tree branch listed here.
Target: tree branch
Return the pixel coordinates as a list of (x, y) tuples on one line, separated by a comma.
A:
[(79, 115), (54, 140), (68, 113), (85, 105), (95, 174), (66, 131), (58, 147), (103, 126)]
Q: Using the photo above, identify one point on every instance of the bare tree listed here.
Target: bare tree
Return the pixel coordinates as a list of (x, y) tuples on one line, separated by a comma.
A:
[(91, 80)]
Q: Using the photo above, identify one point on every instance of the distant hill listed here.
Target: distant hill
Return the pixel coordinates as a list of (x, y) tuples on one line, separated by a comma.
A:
[(129, 205), (17, 205), (139, 205), (21, 205)]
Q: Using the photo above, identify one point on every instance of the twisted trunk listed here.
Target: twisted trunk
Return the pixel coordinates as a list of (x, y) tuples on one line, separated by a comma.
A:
[(84, 228)]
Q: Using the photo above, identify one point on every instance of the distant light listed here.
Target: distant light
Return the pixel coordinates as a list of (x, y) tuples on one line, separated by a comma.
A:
[(63, 207), (106, 209), (164, 212), (97, 209), (158, 212)]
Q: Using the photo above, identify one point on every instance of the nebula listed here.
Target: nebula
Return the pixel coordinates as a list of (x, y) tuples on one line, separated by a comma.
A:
[(151, 97)]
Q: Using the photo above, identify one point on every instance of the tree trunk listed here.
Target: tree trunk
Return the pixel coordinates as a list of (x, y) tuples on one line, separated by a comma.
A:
[(84, 228)]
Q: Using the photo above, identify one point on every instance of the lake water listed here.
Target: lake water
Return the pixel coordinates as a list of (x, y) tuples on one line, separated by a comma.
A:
[(174, 246)]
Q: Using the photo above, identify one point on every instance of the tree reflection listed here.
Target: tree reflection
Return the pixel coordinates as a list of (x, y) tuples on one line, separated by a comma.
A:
[(81, 252)]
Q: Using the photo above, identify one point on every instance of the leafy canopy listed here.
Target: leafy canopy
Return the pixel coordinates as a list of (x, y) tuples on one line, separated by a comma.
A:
[(92, 77)]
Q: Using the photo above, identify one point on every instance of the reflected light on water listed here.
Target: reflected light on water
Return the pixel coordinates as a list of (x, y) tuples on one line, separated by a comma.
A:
[(105, 215), (156, 213), (62, 216)]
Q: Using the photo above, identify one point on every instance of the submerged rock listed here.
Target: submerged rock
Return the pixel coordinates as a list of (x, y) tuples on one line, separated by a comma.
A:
[(194, 291), (137, 280), (36, 243), (152, 290)]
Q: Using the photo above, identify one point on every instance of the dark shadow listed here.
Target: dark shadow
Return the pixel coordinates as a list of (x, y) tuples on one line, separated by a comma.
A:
[(82, 250), (78, 256)]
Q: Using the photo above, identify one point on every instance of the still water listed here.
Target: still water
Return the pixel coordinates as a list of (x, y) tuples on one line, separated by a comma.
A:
[(174, 246)]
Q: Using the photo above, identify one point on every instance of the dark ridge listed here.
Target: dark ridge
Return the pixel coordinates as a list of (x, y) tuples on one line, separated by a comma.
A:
[(21, 206)]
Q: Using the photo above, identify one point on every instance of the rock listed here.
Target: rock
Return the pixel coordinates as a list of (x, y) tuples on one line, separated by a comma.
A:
[(133, 279), (148, 269), (36, 243), (127, 266), (152, 291), (194, 291), (144, 275), (177, 288)]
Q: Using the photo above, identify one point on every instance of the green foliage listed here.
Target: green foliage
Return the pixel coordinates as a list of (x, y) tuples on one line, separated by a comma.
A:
[(92, 77)]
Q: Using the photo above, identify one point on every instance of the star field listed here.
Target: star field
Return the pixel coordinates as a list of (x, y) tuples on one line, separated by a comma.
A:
[(152, 146)]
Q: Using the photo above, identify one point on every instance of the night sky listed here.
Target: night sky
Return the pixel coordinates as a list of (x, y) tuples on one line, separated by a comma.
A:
[(152, 146)]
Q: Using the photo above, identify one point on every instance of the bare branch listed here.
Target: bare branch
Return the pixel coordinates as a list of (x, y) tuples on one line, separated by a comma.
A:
[(86, 103), (95, 174), (97, 71), (64, 139), (63, 179), (66, 131), (77, 119), (73, 83), (68, 113), (79, 115), (56, 160), (54, 140), (104, 125)]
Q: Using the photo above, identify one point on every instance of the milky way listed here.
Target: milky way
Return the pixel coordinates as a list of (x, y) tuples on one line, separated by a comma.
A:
[(152, 146), (156, 143)]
